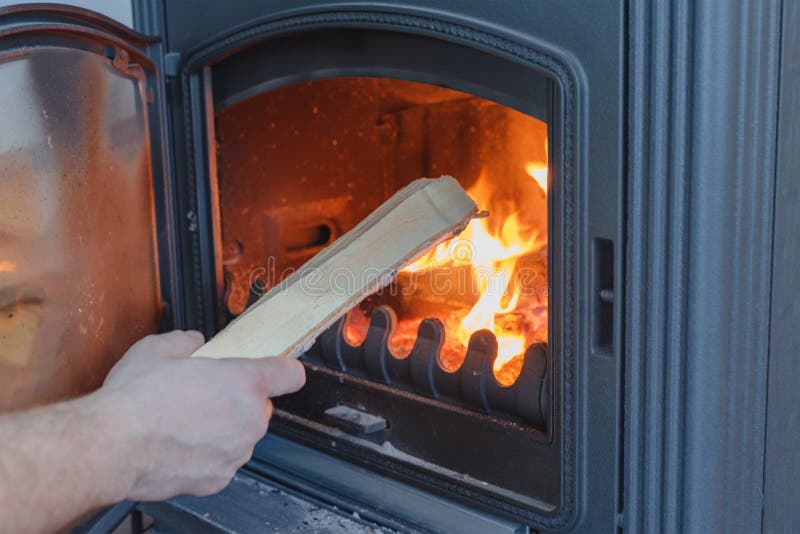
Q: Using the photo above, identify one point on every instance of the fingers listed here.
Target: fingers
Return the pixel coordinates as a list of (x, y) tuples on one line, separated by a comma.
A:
[(280, 376), (154, 350), (198, 337), (272, 377), (179, 343), (186, 342)]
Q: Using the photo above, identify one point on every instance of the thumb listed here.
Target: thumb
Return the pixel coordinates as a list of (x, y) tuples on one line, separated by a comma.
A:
[(274, 376)]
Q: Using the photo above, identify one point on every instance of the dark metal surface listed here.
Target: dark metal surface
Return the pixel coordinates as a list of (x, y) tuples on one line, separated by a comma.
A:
[(107, 520), (473, 384), (561, 41), (417, 57), (701, 184), (357, 420), (426, 439), (782, 460), (253, 504), (563, 165), (372, 496), (695, 109), (699, 123)]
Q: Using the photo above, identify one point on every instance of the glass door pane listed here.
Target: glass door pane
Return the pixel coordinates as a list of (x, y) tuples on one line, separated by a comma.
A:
[(78, 278)]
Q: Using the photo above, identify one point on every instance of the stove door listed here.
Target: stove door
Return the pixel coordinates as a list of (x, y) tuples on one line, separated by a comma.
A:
[(85, 257)]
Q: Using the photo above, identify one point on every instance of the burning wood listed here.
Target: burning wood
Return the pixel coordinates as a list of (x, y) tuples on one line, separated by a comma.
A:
[(286, 320), (490, 277)]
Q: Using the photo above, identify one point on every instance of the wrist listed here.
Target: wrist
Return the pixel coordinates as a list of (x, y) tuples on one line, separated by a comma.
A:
[(115, 440)]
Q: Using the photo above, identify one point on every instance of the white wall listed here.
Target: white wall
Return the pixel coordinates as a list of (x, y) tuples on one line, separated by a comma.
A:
[(120, 10)]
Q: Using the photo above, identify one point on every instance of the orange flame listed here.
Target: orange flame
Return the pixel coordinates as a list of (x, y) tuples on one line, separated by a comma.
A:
[(492, 247), (7, 266), (539, 173)]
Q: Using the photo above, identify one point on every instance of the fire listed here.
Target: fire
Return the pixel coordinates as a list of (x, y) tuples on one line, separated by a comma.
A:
[(7, 267), (538, 172), (491, 248)]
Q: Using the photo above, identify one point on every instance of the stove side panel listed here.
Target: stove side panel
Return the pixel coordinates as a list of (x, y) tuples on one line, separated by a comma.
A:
[(782, 461), (703, 110)]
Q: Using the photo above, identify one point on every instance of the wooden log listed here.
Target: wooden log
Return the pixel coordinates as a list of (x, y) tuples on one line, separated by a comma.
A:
[(286, 320)]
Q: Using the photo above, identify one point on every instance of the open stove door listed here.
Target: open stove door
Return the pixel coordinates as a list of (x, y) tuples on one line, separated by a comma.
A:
[(87, 262)]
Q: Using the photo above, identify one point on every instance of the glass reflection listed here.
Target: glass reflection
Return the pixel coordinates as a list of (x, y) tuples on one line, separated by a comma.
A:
[(77, 261)]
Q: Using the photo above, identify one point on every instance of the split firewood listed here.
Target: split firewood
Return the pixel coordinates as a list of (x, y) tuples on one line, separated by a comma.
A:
[(287, 320)]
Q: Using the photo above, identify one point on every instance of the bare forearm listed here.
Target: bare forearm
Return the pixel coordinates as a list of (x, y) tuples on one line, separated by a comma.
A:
[(162, 425), (60, 461)]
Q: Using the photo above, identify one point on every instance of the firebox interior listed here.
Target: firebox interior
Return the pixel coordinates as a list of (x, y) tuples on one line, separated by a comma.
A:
[(302, 164), (458, 344)]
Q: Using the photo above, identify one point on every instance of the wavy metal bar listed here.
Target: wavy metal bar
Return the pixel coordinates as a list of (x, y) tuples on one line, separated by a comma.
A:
[(472, 385)]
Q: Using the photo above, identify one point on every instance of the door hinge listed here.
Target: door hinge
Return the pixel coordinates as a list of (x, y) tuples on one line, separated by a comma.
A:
[(119, 57), (172, 62)]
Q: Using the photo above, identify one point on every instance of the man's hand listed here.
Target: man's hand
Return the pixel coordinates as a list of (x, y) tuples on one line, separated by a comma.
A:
[(193, 421), (162, 424)]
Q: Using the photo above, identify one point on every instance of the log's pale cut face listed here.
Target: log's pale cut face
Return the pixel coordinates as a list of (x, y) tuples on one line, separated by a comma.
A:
[(286, 320)]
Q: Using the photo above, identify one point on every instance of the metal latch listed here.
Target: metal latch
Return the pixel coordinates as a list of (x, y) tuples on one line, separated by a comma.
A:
[(356, 420), (172, 62)]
